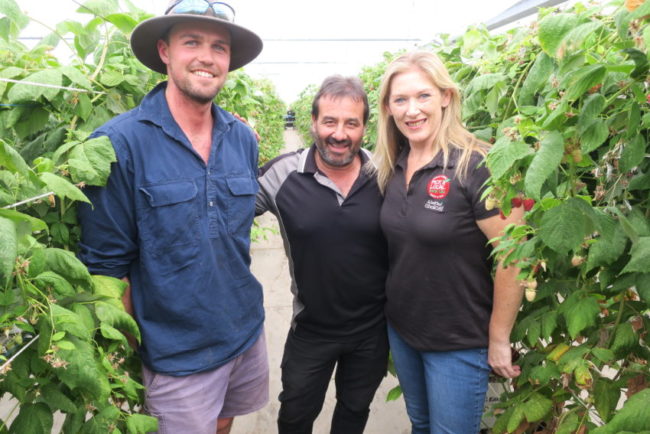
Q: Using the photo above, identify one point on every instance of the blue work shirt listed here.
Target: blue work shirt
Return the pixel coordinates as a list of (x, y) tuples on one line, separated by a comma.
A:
[(180, 231)]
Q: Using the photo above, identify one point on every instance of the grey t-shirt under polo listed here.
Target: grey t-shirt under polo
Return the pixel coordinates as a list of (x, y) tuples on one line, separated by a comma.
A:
[(439, 287)]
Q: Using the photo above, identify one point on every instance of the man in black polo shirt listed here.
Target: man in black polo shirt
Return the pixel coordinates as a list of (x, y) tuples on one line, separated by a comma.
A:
[(328, 209)]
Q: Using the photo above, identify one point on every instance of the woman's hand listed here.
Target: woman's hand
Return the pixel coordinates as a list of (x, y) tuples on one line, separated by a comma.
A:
[(500, 359)]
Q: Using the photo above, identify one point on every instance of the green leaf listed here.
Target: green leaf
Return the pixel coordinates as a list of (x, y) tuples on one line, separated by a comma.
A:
[(641, 11), (549, 324), (33, 120), (141, 424), (624, 338), (576, 37), (62, 187), (33, 419), (69, 322), (643, 287), (117, 318), (504, 154), (634, 119), (110, 332), (11, 159), (606, 395), (537, 407), (584, 79), (82, 371), (111, 78), (640, 260), (86, 316), (90, 162), (593, 106), (84, 107), (35, 224), (542, 375), (633, 417), (640, 61), (569, 424), (74, 421), (582, 315), (545, 162), (57, 400), (49, 279), (103, 421), (10, 9), (394, 393), (67, 265), (124, 22), (26, 90), (485, 81), (100, 8), (633, 153), (593, 135), (564, 227), (603, 354), (65, 345), (538, 76), (77, 78), (9, 250), (639, 222), (516, 418), (552, 30), (109, 286), (607, 248)]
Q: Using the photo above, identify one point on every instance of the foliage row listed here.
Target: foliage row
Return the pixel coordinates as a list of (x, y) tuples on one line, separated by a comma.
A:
[(66, 326), (565, 101)]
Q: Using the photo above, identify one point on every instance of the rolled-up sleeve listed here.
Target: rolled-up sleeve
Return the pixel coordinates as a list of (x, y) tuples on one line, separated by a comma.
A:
[(108, 243)]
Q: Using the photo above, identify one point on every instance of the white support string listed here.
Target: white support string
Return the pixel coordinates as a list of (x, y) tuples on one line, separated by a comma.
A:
[(8, 362), (31, 199), (51, 86)]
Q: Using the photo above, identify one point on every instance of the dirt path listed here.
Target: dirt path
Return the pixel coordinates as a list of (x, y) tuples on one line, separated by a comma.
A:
[(271, 268)]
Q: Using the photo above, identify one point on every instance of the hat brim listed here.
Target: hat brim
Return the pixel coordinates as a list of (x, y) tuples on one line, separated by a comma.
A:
[(244, 44)]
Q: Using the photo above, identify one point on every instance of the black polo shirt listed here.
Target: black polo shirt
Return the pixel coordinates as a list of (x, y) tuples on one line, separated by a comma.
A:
[(337, 252), (439, 287)]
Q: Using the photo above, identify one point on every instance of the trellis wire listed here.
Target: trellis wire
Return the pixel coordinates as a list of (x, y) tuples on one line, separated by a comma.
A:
[(31, 199), (12, 358), (51, 86)]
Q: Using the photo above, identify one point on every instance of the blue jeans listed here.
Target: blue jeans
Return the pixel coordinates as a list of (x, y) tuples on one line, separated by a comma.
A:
[(444, 390)]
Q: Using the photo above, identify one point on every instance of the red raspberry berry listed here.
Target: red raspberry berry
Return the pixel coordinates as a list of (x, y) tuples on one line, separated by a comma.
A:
[(528, 204), (516, 202)]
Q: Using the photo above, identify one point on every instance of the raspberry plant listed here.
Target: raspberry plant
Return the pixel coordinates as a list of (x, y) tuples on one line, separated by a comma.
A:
[(63, 346)]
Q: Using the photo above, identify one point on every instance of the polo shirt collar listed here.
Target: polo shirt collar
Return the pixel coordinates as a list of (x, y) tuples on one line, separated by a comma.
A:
[(437, 161)]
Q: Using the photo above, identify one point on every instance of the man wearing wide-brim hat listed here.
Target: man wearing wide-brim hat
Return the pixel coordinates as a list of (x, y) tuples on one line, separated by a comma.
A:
[(174, 221)]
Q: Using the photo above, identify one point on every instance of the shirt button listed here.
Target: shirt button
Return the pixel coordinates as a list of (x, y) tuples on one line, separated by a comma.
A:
[(211, 203)]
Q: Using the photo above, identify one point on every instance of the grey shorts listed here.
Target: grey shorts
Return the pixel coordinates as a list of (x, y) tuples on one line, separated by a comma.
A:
[(192, 404)]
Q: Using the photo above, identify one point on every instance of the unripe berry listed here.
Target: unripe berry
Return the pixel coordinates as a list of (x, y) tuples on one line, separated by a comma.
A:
[(577, 260), (530, 294)]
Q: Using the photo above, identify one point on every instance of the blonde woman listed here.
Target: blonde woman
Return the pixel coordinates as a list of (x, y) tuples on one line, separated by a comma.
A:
[(449, 320)]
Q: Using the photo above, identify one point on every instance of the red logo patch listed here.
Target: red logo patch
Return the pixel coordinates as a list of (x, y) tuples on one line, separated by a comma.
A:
[(438, 187)]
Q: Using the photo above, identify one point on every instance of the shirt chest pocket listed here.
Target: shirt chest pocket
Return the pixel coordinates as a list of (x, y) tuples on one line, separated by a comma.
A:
[(240, 208), (169, 215)]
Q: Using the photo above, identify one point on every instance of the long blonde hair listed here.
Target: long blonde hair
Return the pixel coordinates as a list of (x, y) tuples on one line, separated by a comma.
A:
[(452, 133)]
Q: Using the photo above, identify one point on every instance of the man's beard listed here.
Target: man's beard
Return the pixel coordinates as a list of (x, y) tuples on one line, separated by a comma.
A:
[(329, 158)]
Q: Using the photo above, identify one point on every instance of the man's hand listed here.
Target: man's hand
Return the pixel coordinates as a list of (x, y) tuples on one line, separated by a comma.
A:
[(257, 136)]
